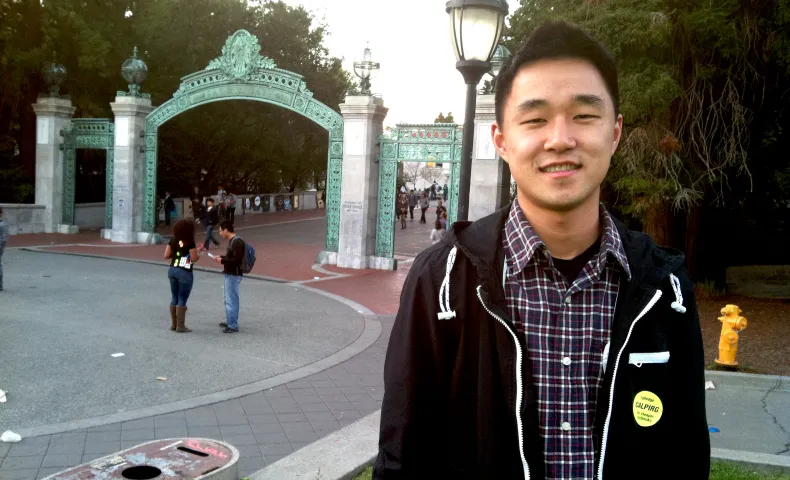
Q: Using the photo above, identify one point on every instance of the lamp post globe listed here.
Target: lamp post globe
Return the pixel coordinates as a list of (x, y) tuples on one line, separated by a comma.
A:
[(53, 74), (475, 29), (134, 71), (366, 70), (501, 54)]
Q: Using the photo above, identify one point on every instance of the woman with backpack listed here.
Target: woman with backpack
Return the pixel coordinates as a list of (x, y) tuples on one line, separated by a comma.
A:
[(182, 253)]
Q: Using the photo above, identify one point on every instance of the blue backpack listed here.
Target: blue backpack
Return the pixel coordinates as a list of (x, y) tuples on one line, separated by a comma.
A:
[(248, 262)]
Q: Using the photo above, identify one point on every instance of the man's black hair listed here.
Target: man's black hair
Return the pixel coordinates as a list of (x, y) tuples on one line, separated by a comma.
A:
[(557, 40), (226, 225)]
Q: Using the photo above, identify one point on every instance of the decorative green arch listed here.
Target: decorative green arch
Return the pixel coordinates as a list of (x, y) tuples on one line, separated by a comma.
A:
[(242, 73), (435, 142)]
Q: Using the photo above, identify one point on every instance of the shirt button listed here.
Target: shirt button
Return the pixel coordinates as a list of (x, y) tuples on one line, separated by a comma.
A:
[(566, 361), (568, 300), (566, 426)]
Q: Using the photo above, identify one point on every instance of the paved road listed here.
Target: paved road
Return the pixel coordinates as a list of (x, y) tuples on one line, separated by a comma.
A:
[(750, 417), (62, 317)]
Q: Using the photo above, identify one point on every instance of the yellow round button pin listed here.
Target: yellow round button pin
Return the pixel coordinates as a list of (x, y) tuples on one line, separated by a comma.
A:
[(647, 408)]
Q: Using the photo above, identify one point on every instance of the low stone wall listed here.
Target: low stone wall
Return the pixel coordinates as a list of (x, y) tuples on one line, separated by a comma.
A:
[(89, 215), (762, 281), (23, 218)]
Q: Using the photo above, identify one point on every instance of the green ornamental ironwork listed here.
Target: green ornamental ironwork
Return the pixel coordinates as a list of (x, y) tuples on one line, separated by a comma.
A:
[(436, 142), (242, 73), (89, 133)]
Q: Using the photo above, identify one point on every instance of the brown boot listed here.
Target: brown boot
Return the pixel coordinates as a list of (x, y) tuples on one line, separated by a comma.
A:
[(181, 313), (173, 318)]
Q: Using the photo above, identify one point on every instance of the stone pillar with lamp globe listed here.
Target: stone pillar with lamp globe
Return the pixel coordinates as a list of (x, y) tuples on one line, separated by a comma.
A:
[(363, 116), (130, 169), (53, 115), (490, 177)]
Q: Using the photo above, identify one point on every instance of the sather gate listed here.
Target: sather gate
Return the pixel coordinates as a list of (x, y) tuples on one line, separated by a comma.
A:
[(242, 73)]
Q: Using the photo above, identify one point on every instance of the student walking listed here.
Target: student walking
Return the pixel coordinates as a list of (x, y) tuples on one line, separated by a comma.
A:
[(403, 207), (211, 220), (413, 201), (423, 207), (182, 253), (232, 261)]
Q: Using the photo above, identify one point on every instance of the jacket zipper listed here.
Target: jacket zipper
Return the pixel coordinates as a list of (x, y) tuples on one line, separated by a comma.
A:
[(647, 308), (519, 386)]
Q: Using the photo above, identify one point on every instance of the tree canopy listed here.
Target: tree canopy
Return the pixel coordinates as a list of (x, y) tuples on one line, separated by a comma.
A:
[(242, 145)]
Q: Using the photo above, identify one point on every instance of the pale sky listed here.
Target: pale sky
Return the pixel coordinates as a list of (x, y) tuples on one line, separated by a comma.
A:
[(411, 40)]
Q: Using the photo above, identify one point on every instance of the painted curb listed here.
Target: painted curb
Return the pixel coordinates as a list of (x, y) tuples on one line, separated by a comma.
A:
[(338, 456), (370, 333), (749, 380), (764, 462)]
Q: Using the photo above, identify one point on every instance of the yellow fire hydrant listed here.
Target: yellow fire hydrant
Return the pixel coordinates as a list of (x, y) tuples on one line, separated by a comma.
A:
[(731, 323)]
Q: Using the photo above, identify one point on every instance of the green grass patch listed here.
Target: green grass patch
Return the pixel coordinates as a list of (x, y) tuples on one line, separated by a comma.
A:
[(718, 471), (729, 471), (368, 474)]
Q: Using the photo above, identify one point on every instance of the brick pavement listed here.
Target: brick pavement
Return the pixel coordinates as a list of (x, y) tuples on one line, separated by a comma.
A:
[(264, 426)]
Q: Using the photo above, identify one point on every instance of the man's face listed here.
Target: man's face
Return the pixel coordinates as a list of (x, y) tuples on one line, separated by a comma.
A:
[(558, 133)]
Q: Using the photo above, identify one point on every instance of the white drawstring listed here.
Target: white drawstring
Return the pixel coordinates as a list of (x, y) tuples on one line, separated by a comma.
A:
[(677, 305), (444, 292)]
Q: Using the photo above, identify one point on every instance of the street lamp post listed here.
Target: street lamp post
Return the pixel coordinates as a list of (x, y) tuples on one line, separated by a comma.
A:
[(476, 26), (366, 69)]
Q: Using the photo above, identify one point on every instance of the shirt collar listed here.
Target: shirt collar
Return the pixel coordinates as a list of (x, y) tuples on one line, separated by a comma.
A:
[(522, 242)]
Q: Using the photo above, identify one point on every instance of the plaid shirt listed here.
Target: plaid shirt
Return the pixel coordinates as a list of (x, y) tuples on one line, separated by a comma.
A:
[(567, 327)]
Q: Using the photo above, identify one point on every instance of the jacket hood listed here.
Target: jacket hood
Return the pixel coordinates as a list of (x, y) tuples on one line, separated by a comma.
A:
[(480, 242)]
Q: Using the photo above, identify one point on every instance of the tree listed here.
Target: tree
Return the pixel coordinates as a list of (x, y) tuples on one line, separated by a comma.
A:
[(444, 119), (432, 174), (412, 171)]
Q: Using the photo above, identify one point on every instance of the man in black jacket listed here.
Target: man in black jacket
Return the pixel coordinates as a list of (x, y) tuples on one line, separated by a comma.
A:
[(231, 262), (547, 340)]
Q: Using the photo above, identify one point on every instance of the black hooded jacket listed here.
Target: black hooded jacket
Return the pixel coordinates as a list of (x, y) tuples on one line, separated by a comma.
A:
[(459, 400)]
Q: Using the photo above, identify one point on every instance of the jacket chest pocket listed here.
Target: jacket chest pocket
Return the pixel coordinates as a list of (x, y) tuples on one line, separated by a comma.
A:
[(650, 358), (650, 391)]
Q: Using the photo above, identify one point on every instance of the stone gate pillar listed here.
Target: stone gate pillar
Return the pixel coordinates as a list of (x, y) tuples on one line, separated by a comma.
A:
[(53, 114), (490, 174), (363, 123), (129, 173)]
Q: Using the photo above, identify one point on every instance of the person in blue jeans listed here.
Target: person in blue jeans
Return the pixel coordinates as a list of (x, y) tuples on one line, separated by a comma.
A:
[(232, 268), (182, 253)]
